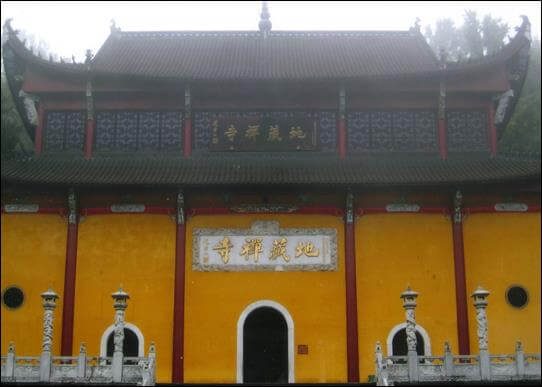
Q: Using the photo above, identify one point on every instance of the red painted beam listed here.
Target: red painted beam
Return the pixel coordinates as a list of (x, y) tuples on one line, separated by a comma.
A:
[(486, 209), (108, 211), (492, 130), (187, 137), (335, 211), (443, 148), (89, 138), (178, 301), (39, 130), (352, 354), (383, 210)]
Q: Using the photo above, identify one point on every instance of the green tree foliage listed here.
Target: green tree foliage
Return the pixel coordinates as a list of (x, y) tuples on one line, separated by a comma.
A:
[(523, 131), (12, 126), (477, 37), (471, 40)]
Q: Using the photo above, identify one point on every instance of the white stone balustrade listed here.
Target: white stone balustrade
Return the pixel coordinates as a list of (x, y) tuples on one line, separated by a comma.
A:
[(80, 369), (516, 366)]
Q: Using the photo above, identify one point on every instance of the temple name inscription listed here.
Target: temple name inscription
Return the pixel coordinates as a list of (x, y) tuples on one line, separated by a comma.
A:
[(265, 247)]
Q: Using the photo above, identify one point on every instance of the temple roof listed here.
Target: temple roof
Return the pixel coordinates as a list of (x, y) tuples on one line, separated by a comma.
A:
[(275, 55), (268, 169)]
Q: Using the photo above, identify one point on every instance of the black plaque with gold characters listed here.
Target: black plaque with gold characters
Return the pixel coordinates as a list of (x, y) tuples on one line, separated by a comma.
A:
[(296, 132)]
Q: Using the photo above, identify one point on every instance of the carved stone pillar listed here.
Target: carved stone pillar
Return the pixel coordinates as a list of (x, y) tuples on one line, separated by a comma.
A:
[(82, 361), (459, 275), (520, 359), (480, 303), (448, 360), (49, 304), (351, 293), (178, 302), (10, 361), (409, 304), (120, 306)]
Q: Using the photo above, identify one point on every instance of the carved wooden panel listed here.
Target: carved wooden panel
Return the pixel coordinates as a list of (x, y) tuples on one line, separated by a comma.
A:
[(64, 131), (138, 131), (467, 131), (385, 131)]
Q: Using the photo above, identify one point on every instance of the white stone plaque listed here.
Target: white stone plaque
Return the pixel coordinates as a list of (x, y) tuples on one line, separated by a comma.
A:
[(264, 247), (511, 207), (21, 208)]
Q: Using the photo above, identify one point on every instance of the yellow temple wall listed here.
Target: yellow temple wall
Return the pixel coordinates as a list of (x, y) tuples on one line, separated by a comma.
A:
[(503, 250), (393, 251), (137, 251), (215, 300), (33, 258)]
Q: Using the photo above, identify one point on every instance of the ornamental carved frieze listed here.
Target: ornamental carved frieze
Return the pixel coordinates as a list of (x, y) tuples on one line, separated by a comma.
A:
[(264, 247)]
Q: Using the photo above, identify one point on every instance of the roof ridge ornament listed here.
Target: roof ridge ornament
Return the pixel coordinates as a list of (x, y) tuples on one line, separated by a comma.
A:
[(416, 28), (114, 29), (265, 24), (525, 28)]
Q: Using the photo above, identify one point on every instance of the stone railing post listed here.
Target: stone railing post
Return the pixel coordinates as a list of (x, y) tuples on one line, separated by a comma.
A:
[(448, 360), (10, 361), (49, 304), (520, 359), (82, 361), (480, 303), (120, 305), (409, 304)]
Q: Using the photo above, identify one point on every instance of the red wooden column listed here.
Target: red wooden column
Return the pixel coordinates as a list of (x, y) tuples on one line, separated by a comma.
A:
[(69, 277), (460, 279), (342, 123), (351, 293), (39, 129), (441, 123), (187, 122), (178, 307), (492, 129)]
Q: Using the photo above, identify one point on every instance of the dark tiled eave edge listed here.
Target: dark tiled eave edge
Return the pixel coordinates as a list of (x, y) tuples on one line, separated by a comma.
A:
[(266, 171)]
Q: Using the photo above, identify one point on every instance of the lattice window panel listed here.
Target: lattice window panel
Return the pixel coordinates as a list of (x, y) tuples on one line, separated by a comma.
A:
[(402, 131), (129, 131), (64, 131), (467, 131)]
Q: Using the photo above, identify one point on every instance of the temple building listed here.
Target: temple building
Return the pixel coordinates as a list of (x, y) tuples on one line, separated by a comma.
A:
[(265, 197)]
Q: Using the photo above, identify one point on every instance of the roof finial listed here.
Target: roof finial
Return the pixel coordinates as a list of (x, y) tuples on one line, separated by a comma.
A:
[(265, 23), (114, 28), (88, 56), (416, 27)]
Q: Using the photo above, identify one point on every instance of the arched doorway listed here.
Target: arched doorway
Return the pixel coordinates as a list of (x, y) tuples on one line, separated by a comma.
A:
[(265, 344)]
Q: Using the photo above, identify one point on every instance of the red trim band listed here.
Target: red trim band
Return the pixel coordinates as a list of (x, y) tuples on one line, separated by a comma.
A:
[(39, 130), (89, 138), (486, 209), (335, 211), (383, 210)]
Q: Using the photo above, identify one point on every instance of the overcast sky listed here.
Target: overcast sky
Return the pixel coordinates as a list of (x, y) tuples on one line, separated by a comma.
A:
[(72, 27)]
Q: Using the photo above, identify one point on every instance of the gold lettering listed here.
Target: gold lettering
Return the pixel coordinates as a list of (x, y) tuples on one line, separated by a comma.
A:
[(252, 247), (307, 249), (224, 248), (231, 132), (297, 132), (252, 132), (279, 250), (274, 133)]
